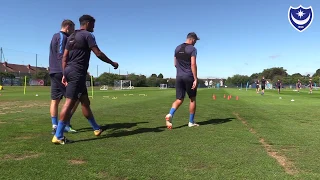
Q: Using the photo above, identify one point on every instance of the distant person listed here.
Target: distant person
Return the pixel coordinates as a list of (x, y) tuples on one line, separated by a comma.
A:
[(186, 78), (257, 86), (310, 86), (279, 85), (58, 89), (298, 86), (75, 64), (263, 85)]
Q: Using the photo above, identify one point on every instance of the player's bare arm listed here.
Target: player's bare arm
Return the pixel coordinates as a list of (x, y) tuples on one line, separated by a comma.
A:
[(64, 59), (194, 71), (64, 64), (103, 57)]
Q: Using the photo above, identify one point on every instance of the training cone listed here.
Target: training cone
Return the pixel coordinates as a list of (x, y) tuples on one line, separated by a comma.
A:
[(237, 98), (228, 97), (214, 97), (224, 96)]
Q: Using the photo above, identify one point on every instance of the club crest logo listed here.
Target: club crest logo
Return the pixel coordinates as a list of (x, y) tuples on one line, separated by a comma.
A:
[(300, 17)]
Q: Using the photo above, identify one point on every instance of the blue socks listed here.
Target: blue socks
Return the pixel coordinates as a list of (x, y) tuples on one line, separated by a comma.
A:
[(172, 111), (93, 123), (54, 121), (60, 129), (191, 119)]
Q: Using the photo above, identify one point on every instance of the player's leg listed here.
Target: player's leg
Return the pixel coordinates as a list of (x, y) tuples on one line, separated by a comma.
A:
[(54, 114), (72, 95), (61, 90), (56, 96), (180, 94), (87, 112), (192, 93), (65, 116), (279, 87), (68, 127)]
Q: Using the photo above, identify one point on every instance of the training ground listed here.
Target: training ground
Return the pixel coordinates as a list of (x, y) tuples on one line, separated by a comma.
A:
[(255, 137)]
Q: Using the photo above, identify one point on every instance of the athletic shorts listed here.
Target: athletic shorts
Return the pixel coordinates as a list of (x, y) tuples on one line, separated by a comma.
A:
[(279, 87), (263, 87), (58, 90), (257, 86), (76, 84), (183, 86)]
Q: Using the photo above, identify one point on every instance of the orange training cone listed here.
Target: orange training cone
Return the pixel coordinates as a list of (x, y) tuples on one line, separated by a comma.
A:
[(237, 98), (224, 96)]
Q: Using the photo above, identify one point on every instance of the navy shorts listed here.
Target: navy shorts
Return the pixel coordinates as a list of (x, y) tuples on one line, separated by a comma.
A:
[(183, 86), (263, 87), (58, 90), (76, 84)]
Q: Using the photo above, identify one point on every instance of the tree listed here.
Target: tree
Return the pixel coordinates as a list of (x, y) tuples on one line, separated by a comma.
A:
[(275, 71), (317, 73), (160, 76), (296, 75), (237, 80)]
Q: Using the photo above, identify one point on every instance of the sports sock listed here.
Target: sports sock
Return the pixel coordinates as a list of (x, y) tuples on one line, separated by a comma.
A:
[(93, 123), (60, 129), (172, 111), (191, 119), (54, 122), (68, 124)]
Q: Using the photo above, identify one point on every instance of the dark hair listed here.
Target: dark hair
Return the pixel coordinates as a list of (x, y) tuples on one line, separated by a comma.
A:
[(67, 22), (86, 18)]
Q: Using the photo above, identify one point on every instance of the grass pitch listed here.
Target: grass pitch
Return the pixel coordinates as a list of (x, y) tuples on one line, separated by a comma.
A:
[(255, 137)]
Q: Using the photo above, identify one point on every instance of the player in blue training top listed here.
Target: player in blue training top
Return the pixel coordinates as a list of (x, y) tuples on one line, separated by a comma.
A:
[(75, 63), (58, 89), (186, 78)]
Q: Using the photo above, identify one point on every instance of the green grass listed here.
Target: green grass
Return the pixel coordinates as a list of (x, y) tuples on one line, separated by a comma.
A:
[(137, 145)]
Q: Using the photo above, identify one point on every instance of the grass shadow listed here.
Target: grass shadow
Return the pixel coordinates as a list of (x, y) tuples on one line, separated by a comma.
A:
[(114, 126), (122, 129), (210, 121), (125, 132)]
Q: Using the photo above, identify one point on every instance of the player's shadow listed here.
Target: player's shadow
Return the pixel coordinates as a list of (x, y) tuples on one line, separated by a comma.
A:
[(121, 132), (208, 122), (123, 129), (113, 126)]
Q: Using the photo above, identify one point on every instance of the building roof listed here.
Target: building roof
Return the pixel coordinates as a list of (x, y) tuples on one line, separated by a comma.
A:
[(16, 68)]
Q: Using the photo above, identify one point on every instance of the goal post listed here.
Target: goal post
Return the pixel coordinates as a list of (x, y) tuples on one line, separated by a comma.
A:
[(122, 84), (163, 86)]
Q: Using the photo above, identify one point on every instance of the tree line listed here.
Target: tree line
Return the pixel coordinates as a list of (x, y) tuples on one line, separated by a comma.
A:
[(272, 75), (154, 80)]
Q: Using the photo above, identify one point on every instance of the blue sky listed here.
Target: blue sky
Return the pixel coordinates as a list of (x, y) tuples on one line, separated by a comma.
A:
[(237, 37)]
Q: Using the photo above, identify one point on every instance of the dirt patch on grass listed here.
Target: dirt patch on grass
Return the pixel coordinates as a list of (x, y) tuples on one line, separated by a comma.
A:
[(10, 105), (1, 122), (76, 161), (19, 157), (23, 137), (287, 165)]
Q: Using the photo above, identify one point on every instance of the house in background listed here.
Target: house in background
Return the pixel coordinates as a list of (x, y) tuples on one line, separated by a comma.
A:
[(20, 70)]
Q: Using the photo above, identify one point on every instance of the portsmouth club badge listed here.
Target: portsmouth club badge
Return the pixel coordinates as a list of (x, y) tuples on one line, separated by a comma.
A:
[(300, 17)]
